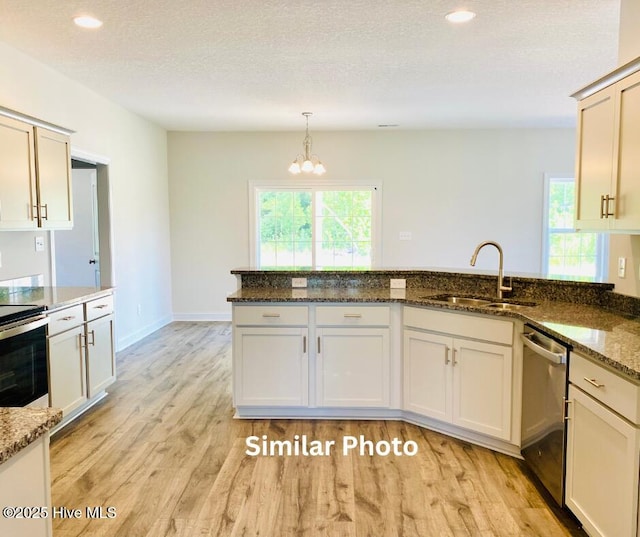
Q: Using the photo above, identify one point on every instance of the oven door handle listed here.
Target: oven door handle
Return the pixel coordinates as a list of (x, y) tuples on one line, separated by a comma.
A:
[(556, 358), (22, 327)]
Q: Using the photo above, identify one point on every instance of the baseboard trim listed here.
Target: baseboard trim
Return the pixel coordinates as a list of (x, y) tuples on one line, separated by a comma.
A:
[(136, 336)]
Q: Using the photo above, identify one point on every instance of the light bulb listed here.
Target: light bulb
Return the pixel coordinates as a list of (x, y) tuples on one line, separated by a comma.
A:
[(294, 168), (307, 166), (319, 169), (86, 21), (460, 16)]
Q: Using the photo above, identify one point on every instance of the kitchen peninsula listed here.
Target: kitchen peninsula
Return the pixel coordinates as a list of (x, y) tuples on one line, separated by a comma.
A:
[(440, 350)]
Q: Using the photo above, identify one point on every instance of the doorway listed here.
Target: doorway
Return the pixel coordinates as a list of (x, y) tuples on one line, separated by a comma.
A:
[(81, 256)]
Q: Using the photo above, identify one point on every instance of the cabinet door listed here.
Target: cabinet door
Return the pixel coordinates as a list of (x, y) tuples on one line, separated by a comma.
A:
[(101, 364), (482, 387), (271, 366), (594, 158), (17, 175), (25, 480), (352, 367), (53, 164), (427, 374), (602, 468), (627, 202), (67, 375)]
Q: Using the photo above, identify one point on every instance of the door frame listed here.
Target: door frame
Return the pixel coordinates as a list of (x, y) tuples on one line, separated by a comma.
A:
[(105, 227)]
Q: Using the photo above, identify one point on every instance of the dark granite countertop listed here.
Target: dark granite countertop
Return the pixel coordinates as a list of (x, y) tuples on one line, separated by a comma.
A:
[(611, 338), (54, 297), (20, 427)]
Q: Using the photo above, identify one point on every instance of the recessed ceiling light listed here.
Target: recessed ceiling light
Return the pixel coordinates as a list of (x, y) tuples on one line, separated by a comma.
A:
[(460, 16), (85, 21)]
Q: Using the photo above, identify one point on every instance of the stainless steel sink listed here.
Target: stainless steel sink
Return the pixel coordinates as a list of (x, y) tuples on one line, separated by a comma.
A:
[(483, 302), (460, 300), (506, 306)]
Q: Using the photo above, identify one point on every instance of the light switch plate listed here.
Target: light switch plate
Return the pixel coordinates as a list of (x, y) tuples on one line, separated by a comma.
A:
[(39, 244), (298, 282), (399, 283), (622, 267)]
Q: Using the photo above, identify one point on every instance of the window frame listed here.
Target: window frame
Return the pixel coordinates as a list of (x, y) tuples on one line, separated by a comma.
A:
[(602, 240), (314, 185)]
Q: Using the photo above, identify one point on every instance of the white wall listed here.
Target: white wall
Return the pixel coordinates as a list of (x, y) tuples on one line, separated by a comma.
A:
[(138, 177), (450, 188)]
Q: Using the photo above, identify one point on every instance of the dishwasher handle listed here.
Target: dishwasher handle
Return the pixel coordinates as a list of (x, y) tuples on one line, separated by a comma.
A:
[(556, 358)]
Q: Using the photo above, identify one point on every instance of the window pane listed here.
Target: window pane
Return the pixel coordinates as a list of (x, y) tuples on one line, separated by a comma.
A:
[(569, 254), (284, 221), (342, 228)]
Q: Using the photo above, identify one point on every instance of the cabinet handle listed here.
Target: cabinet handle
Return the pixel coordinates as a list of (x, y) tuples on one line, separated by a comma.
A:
[(271, 315), (446, 355), (67, 318), (304, 344), (604, 206), (607, 212), (93, 338), (101, 306), (82, 345), (44, 215), (455, 351), (318, 344), (353, 315), (566, 410), (594, 382)]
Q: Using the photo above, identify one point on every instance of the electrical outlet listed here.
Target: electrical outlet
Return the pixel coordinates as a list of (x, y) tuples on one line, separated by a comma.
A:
[(622, 267), (39, 244), (399, 283), (298, 282), (405, 235)]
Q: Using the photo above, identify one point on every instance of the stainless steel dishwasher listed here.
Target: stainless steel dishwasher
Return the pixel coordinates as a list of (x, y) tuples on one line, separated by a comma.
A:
[(544, 392)]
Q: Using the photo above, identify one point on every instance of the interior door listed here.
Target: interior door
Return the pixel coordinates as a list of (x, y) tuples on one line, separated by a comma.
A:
[(77, 250)]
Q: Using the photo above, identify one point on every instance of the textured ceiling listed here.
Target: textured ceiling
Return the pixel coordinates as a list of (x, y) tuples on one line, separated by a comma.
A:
[(256, 65)]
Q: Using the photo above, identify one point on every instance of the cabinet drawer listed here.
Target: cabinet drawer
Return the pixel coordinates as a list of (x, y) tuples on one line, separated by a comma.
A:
[(616, 392), (65, 319), (352, 316), (469, 326), (271, 315), (99, 307)]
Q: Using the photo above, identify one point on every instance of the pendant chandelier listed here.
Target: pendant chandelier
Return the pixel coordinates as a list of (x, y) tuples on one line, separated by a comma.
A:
[(307, 162)]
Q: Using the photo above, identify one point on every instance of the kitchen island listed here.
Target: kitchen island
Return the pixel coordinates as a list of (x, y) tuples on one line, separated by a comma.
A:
[(24, 470)]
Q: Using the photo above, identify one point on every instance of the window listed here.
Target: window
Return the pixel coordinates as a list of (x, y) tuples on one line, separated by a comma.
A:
[(319, 226), (568, 254)]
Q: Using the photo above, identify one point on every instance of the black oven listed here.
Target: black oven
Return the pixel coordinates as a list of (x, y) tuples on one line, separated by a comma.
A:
[(23, 356)]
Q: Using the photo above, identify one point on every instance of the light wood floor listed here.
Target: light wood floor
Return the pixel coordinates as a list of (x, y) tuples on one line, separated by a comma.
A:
[(165, 451)]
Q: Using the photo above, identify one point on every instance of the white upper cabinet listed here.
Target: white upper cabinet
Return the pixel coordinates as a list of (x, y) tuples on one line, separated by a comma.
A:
[(607, 156), (17, 175), (35, 177)]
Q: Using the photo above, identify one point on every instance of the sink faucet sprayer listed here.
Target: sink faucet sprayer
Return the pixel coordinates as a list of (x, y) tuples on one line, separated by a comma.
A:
[(501, 286)]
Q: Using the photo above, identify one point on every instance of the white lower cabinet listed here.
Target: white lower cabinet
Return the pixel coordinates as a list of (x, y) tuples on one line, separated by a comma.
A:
[(81, 357), (462, 382), (352, 367), (101, 363), (271, 366), (67, 372), (603, 452), (25, 481)]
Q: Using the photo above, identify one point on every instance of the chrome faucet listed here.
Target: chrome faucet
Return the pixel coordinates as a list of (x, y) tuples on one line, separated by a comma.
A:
[(501, 286)]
